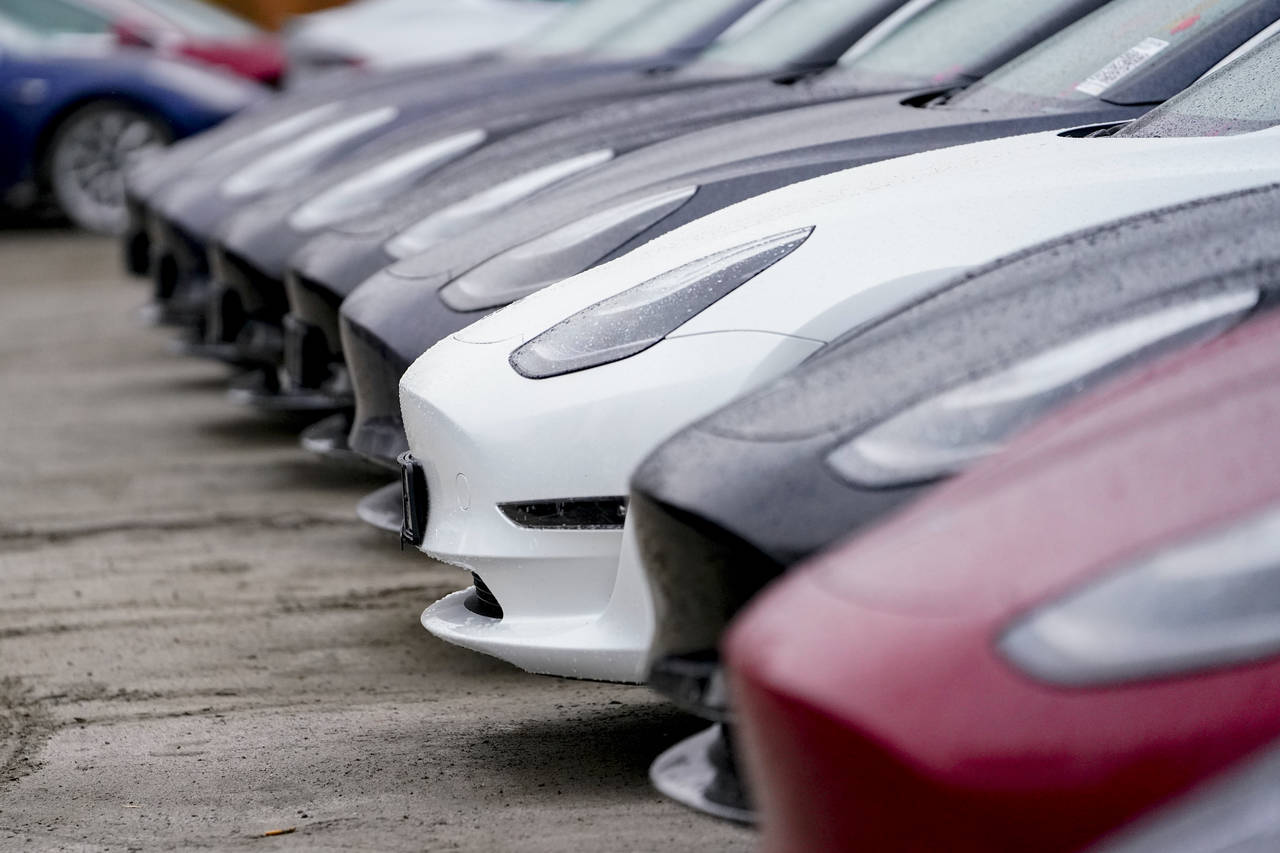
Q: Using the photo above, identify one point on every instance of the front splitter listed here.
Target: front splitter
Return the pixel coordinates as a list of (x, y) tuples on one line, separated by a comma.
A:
[(383, 509), (254, 389), (588, 647), (699, 772)]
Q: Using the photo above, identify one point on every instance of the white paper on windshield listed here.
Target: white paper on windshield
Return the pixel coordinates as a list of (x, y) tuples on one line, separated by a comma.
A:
[(1122, 66)]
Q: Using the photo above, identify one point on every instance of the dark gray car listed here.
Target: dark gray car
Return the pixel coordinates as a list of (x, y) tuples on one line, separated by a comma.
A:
[(184, 213), (253, 247), (946, 45), (590, 22)]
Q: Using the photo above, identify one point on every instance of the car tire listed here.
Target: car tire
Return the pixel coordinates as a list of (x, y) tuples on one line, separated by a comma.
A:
[(87, 156)]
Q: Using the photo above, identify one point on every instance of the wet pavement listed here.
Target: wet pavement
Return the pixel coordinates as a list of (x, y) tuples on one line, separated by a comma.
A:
[(200, 644)]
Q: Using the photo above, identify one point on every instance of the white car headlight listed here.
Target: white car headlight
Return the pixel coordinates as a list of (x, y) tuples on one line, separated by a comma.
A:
[(1209, 602), (637, 318), (560, 253), (949, 432), (293, 161), (360, 193), (469, 213)]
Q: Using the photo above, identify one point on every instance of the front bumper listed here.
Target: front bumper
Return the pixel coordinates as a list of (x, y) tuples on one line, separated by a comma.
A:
[(245, 310), (575, 600), (606, 640), (722, 516), (179, 274), (313, 359), (383, 326)]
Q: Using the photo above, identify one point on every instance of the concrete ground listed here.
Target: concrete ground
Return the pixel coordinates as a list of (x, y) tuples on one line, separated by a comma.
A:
[(200, 644)]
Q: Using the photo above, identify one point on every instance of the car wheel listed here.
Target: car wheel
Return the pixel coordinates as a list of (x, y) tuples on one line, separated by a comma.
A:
[(87, 159)]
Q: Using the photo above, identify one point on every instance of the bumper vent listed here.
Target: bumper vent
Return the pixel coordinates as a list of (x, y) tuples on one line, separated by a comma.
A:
[(577, 514), (482, 601)]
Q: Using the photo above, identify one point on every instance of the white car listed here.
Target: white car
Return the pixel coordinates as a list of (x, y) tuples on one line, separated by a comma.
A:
[(387, 33), (525, 427)]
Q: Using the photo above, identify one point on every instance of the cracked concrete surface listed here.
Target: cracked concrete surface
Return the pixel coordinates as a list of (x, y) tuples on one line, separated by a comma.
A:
[(199, 643)]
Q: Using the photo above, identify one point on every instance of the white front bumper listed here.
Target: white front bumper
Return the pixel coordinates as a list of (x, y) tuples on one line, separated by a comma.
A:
[(486, 436)]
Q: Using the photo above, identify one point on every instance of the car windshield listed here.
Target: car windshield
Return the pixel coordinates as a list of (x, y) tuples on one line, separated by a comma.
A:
[(53, 17), (1238, 98), (584, 25), (200, 18), (666, 26), (1086, 59), (777, 32), (944, 40)]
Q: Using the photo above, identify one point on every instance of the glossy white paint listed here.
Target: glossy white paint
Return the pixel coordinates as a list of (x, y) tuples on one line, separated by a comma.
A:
[(884, 235)]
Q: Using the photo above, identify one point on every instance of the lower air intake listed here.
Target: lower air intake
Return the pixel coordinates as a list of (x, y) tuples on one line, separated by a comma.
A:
[(482, 601)]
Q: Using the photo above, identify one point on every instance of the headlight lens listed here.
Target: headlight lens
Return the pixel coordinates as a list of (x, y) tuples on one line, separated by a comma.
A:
[(639, 317), (471, 212), (293, 161), (358, 194), (1213, 601), (559, 254), (949, 432)]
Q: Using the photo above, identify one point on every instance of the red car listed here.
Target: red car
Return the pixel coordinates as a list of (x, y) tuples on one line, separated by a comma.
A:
[(1045, 649), (194, 29)]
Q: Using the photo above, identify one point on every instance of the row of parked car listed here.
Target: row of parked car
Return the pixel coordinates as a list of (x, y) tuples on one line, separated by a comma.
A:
[(676, 323), (87, 85)]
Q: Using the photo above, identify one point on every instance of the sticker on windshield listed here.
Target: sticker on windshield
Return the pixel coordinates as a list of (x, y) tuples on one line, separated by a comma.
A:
[(1122, 66)]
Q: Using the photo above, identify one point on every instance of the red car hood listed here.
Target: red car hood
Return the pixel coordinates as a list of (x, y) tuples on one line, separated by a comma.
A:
[(261, 59), (877, 711)]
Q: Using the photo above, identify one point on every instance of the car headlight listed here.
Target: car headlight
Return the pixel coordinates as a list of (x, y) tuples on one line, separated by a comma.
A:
[(950, 431), (1208, 602), (560, 253), (637, 318), (358, 194), (471, 212), (293, 161)]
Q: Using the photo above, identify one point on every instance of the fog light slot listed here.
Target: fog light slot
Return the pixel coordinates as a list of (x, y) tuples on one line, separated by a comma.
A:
[(607, 513)]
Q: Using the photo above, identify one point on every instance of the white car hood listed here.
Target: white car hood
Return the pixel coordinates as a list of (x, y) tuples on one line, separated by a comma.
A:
[(401, 33), (910, 222)]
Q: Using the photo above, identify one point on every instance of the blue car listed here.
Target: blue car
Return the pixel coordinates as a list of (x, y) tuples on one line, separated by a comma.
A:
[(75, 109)]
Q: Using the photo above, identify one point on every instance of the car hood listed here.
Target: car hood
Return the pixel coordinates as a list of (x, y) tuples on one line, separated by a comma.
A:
[(843, 133), (426, 33), (913, 221)]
